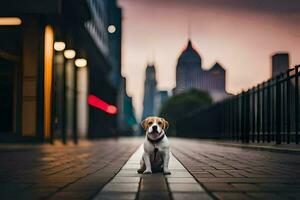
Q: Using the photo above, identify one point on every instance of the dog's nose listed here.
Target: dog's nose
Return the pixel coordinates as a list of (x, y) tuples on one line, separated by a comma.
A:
[(154, 127)]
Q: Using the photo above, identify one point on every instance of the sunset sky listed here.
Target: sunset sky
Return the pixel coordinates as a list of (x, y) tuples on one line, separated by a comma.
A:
[(239, 34)]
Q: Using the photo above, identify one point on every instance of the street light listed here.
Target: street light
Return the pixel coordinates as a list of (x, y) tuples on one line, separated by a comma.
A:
[(10, 21), (59, 46), (80, 62), (69, 53), (111, 28)]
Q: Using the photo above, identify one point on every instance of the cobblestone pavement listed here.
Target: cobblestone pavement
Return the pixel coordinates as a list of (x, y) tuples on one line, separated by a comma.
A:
[(106, 170), (130, 185), (61, 172), (235, 173)]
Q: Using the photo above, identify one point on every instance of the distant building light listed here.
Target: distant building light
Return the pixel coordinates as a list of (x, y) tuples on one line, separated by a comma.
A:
[(59, 46), (10, 21), (80, 62), (69, 53), (111, 28)]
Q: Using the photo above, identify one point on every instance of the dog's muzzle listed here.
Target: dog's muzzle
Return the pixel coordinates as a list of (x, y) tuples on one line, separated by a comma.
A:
[(154, 134)]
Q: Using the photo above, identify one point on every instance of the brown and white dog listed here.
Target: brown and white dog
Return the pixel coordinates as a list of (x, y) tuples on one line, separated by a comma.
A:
[(156, 146)]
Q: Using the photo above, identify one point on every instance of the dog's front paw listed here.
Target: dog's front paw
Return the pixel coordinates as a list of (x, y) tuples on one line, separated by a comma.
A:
[(167, 172), (147, 172)]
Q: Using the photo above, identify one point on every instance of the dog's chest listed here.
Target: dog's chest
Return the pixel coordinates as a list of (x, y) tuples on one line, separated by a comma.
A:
[(156, 160), (149, 147)]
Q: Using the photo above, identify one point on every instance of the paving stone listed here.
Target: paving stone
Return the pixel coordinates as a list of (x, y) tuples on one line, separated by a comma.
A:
[(151, 196), (115, 196), (185, 187), (246, 187), (121, 187), (191, 196), (264, 195), (126, 180), (154, 185), (232, 196), (72, 195), (220, 187), (181, 180), (202, 174), (179, 174)]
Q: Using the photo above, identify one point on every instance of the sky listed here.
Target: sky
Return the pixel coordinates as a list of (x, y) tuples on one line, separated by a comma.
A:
[(241, 35)]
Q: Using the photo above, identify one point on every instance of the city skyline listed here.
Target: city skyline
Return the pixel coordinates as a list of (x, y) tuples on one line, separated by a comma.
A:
[(239, 36)]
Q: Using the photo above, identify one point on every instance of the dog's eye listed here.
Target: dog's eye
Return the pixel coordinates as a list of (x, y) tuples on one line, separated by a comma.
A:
[(150, 123), (159, 123)]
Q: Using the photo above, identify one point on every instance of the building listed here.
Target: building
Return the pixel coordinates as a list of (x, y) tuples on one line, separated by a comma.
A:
[(150, 92), (53, 54), (160, 98), (190, 74), (280, 63), (106, 13), (153, 98), (114, 37), (127, 123)]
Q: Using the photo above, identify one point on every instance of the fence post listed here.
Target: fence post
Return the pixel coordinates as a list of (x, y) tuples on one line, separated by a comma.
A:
[(243, 117), (247, 116), (288, 109), (263, 112), (253, 114), (278, 110), (233, 118), (269, 111), (237, 118), (297, 103), (258, 114)]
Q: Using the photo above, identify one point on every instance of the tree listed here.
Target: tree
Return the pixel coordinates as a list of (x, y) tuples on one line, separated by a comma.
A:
[(183, 104)]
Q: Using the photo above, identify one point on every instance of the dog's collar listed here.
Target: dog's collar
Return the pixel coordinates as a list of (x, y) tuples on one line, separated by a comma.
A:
[(156, 140)]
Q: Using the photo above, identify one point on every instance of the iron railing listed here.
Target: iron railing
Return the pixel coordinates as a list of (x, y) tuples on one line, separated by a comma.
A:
[(268, 112)]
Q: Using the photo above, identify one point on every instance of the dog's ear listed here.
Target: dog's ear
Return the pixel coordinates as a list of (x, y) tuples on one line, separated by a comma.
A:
[(144, 123), (166, 124)]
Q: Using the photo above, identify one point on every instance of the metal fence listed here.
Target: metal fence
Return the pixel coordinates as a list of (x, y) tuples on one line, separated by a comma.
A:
[(268, 112)]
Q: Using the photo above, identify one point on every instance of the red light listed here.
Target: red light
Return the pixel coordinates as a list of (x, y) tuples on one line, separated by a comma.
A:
[(98, 103), (111, 109)]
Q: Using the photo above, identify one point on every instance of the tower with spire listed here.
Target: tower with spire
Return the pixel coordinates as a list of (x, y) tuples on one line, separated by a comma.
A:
[(149, 92), (191, 75)]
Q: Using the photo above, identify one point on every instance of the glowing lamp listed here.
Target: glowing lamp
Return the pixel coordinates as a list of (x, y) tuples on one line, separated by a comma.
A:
[(10, 21), (80, 62), (59, 46), (111, 28), (102, 105), (69, 53)]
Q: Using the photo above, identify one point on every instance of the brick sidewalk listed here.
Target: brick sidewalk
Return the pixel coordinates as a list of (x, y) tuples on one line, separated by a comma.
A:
[(130, 185), (235, 173), (61, 172), (106, 169)]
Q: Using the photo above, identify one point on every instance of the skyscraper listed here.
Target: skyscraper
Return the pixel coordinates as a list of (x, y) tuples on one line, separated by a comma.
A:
[(126, 117), (149, 92), (280, 63), (114, 27), (160, 98), (190, 74)]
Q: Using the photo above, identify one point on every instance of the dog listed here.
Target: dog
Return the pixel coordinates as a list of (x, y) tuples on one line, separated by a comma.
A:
[(156, 153)]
